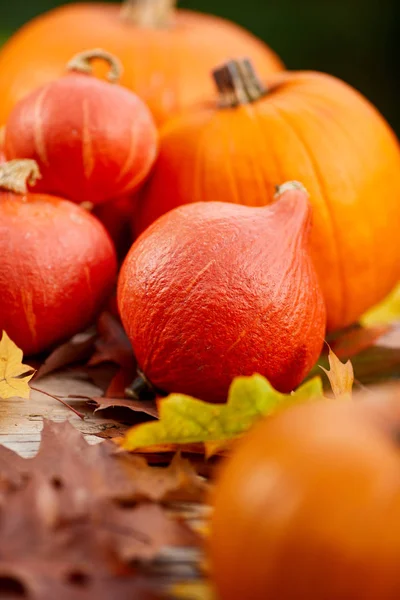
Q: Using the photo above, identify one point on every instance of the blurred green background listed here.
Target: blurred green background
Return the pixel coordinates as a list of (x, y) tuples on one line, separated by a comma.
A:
[(353, 39)]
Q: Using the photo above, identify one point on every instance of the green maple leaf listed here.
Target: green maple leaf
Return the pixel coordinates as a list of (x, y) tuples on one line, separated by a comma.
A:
[(186, 420)]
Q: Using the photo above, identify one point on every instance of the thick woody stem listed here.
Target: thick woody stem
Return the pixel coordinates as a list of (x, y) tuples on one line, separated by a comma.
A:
[(16, 175), (82, 63), (153, 14), (238, 83), (141, 388)]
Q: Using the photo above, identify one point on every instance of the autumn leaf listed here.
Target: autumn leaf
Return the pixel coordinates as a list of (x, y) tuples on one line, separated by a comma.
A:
[(193, 590), (184, 419), (341, 377), (14, 376), (386, 312)]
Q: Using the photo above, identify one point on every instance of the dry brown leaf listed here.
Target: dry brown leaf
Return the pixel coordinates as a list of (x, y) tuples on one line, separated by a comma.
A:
[(341, 377), (77, 349), (113, 345), (78, 515), (14, 376), (104, 471), (148, 407)]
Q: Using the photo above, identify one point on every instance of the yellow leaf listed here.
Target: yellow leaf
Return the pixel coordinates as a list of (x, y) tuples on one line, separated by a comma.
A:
[(184, 419), (193, 590), (386, 312), (14, 376), (341, 377)]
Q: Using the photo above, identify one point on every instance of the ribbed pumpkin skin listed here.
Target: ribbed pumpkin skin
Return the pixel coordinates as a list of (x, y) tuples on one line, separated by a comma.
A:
[(92, 140), (313, 128), (169, 68), (57, 269), (214, 290)]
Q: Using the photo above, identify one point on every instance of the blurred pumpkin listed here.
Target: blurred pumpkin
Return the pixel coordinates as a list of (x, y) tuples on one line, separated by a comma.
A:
[(305, 126), (308, 505), (167, 53)]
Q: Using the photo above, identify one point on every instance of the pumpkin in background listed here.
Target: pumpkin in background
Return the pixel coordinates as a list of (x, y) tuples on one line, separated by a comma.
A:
[(305, 126), (308, 505), (167, 53), (93, 140), (58, 265)]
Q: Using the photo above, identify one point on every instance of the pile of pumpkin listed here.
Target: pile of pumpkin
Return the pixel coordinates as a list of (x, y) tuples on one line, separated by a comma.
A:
[(264, 213)]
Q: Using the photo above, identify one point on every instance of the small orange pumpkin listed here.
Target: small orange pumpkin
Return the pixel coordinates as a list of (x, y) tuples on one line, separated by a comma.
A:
[(305, 126), (167, 53)]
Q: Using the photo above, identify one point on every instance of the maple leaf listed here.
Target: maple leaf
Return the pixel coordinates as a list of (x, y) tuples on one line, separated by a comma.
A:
[(77, 349), (341, 377), (14, 376), (184, 419), (74, 517)]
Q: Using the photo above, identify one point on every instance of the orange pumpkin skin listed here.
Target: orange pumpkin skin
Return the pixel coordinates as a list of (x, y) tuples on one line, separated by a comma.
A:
[(214, 290), (168, 67), (57, 269), (92, 140), (308, 506), (313, 128)]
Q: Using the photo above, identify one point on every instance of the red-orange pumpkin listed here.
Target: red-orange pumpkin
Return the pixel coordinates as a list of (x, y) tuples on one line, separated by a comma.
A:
[(215, 290), (57, 267), (308, 506), (305, 126), (167, 53), (93, 140)]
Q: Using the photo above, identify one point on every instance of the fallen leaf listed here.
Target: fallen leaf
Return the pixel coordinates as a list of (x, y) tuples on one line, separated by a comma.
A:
[(103, 470), (341, 377), (184, 419), (386, 312), (193, 590), (149, 407), (48, 554), (14, 376), (73, 518), (358, 339), (77, 349), (121, 380), (113, 345)]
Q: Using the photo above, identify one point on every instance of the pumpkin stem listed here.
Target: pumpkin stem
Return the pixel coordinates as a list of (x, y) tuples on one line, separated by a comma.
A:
[(16, 175), (141, 388), (288, 186), (153, 14), (82, 63), (238, 83)]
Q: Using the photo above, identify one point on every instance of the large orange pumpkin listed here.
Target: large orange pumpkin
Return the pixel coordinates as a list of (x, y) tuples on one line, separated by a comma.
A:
[(305, 126), (308, 505), (167, 54)]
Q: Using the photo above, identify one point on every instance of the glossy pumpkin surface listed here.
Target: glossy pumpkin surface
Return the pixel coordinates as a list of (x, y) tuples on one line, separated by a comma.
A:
[(313, 128), (167, 65), (308, 506)]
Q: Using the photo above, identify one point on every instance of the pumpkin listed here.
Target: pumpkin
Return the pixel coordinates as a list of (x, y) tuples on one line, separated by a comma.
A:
[(308, 505), (92, 140), (58, 264), (305, 126), (215, 290), (167, 53)]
